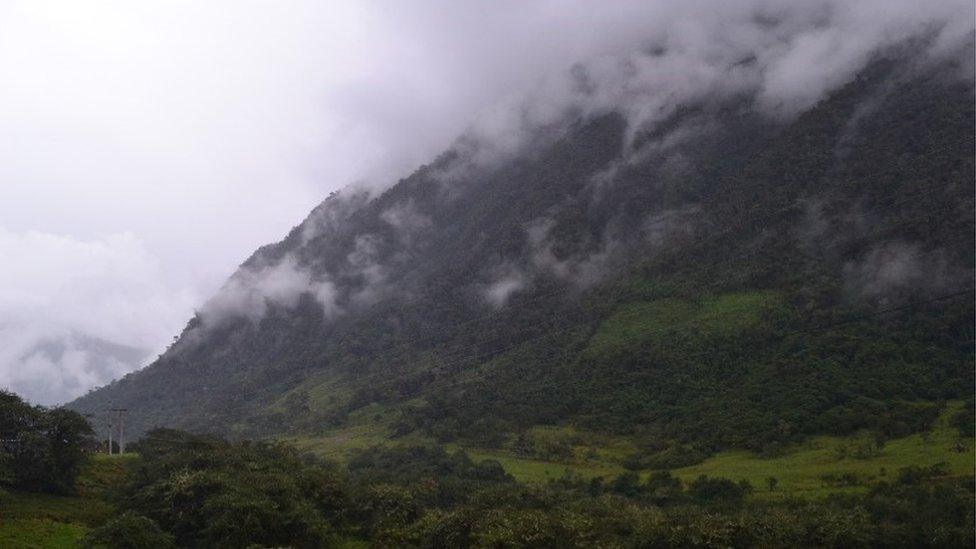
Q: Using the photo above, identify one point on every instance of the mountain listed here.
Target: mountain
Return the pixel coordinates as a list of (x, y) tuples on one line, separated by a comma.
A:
[(58, 364), (711, 277)]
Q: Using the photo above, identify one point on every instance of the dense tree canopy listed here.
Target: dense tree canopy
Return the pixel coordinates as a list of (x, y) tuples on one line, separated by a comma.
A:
[(41, 449), (206, 492)]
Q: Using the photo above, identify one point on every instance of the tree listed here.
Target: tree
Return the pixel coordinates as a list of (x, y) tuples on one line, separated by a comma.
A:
[(129, 531), (663, 487), (718, 490), (69, 435), (43, 449)]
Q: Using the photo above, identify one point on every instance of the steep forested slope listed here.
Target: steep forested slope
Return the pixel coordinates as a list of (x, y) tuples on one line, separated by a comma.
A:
[(720, 278)]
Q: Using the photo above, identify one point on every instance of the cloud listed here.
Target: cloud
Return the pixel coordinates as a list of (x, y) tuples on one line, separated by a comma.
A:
[(48, 365), (201, 130), (668, 227), (507, 281), (582, 269), (407, 221), (363, 263), (250, 291), (783, 57), (329, 216), (59, 292), (893, 270)]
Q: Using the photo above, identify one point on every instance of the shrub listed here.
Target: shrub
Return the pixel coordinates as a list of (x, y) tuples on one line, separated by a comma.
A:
[(129, 531), (708, 490)]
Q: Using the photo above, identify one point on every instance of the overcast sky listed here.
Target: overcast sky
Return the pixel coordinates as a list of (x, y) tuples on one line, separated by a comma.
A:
[(147, 148)]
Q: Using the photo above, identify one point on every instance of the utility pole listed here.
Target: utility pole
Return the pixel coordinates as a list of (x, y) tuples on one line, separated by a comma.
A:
[(110, 426), (120, 412), (89, 418)]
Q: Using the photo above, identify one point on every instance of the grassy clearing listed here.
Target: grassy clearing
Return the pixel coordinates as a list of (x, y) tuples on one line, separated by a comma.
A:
[(45, 520), (634, 325), (40, 533), (339, 443), (535, 470), (67, 509), (102, 473), (800, 471), (368, 426)]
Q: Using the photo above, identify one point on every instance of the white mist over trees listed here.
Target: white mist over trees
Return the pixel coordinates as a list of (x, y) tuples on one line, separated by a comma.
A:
[(217, 126), (779, 58)]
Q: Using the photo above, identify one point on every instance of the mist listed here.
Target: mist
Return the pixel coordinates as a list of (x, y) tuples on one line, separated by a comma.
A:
[(149, 148)]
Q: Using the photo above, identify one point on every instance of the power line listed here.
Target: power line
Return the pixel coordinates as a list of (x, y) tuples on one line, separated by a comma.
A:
[(120, 414)]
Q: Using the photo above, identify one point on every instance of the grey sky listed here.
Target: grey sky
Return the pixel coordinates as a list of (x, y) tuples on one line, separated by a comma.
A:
[(146, 148)]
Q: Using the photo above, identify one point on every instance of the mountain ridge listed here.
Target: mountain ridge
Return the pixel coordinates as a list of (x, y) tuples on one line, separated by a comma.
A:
[(477, 301)]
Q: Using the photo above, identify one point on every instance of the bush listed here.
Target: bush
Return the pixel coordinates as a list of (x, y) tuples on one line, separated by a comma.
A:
[(718, 490), (671, 457), (212, 493), (129, 531), (47, 446), (662, 488)]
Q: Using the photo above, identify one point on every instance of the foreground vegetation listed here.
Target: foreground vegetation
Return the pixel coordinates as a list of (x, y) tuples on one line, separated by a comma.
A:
[(183, 490), (195, 491), (815, 468), (804, 469), (753, 376), (32, 519)]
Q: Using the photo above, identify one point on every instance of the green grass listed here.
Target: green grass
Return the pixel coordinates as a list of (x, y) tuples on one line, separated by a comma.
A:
[(75, 509), (799, 470), (102, 473), (634, 325), (366, 427), (340, 443), (29, 519), (39, 533), (43, 520), (535, 470)]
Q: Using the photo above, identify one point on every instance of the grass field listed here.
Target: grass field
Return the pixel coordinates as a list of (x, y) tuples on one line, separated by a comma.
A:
[(31, 520), (40, 533), (813, 469), (633, 325), (534, 470), (819, 466), (800, 471)]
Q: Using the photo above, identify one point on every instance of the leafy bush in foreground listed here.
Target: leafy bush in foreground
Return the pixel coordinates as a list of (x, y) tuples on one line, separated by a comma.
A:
[(211, 493), (42, 449), (129, 531)]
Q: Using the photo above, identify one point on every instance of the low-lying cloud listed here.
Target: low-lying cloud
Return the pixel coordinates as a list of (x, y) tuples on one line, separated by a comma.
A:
[(78, 313), (251, 290), (506, 281), (783, 57), (194, 132), (893, 270)]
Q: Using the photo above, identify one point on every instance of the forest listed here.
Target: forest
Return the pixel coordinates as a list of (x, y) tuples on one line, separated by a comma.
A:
[(721, 330), (177, 489), (797, 279), (658, 273)]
